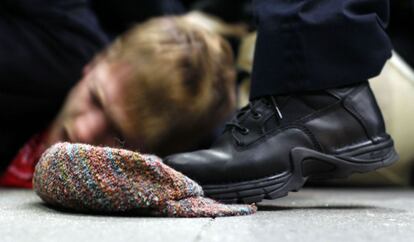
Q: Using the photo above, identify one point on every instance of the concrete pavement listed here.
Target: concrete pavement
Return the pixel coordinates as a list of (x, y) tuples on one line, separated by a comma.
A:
[(309, 215)]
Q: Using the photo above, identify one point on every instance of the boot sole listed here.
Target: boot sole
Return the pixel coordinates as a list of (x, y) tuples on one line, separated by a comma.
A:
[(306, 164)]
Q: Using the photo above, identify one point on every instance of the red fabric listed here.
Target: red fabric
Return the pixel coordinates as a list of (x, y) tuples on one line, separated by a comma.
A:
[(19, 174)]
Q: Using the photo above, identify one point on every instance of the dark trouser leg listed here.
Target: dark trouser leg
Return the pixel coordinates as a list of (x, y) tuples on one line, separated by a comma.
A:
[(306, 45)]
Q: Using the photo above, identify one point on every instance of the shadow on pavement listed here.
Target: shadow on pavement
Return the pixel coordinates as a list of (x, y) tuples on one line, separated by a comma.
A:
[(141, 213), (276, 208)]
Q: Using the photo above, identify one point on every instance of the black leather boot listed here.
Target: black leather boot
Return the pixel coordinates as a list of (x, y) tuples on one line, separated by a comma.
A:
[(275, 144)]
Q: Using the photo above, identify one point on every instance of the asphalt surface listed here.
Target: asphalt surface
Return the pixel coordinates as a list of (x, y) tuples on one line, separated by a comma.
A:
[(309, 215)]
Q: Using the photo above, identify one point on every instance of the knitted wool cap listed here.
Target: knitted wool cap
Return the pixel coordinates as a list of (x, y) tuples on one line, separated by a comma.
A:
[(102, 179)]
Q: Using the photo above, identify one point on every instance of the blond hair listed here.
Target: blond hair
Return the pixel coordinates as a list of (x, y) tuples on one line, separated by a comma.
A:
[(182, 82)]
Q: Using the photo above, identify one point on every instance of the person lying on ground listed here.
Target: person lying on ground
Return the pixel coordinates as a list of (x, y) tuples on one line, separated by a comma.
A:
[(163, 87)]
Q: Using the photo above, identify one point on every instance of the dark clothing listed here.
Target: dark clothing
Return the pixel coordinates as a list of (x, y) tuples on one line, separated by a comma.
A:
[(401, 29), (232, 11), (308, 45), (118, 16), (44, 45)]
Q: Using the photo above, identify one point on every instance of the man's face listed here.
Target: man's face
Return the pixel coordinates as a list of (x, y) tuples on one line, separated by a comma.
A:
[(94, 110)]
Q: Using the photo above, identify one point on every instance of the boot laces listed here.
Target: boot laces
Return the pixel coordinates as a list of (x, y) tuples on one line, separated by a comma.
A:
[(235, 125)]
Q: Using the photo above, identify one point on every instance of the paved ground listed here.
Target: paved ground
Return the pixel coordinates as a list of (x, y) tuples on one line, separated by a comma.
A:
[(310, 215)]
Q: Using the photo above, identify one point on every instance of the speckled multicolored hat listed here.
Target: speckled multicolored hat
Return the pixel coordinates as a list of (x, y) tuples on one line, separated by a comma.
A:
[(107, 180)]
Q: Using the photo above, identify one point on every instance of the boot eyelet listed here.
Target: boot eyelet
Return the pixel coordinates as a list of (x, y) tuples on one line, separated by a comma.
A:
[(257, 116), (245, 131)]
